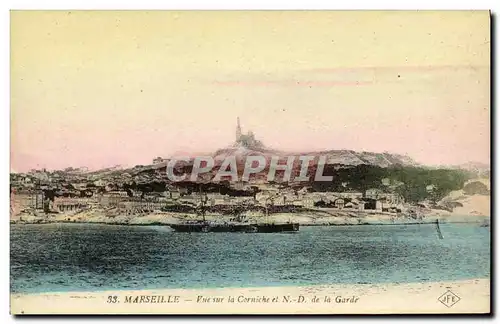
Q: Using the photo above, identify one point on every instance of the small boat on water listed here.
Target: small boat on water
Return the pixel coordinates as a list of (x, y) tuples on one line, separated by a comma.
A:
[(485, 223)]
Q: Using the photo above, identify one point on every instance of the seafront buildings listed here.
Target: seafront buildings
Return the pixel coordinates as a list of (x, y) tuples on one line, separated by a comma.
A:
[(121, 201), (74, 195)]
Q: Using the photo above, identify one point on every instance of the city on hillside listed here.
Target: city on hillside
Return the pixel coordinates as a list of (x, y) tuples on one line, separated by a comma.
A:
[(397, 191)]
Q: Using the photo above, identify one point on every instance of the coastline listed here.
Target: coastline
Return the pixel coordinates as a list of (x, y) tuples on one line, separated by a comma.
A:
[(303, 225), (409, 298), (314, 218)]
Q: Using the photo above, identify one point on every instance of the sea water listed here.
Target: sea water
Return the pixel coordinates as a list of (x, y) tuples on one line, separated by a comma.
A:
[(86, 257)]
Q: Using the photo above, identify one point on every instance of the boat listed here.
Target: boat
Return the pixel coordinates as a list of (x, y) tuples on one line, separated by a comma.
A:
[(213, 227), (238, 224)]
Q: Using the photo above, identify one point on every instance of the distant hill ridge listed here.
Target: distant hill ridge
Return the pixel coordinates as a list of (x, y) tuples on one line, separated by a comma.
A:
[(342, 157)]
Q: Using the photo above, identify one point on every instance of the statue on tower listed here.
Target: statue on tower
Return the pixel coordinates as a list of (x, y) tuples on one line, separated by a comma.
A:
[(238, 129)]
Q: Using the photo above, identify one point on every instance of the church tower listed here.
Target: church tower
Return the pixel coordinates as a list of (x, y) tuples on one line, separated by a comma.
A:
[(238, 129)]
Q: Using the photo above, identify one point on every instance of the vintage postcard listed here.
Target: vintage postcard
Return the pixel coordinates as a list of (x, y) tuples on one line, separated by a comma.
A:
[(250, 162)]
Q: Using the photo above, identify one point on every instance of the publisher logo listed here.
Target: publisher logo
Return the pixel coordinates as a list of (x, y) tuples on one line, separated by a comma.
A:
[(449, 298)]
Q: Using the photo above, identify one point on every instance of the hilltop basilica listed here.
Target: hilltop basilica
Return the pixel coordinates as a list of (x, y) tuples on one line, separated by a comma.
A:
[(246, 140)]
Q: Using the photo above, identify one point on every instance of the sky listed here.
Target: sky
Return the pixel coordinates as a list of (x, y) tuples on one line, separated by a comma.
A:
[(105, 88)]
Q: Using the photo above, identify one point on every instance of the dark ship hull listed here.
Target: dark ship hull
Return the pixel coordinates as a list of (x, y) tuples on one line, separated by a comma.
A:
[(207, 227), (275, 228)]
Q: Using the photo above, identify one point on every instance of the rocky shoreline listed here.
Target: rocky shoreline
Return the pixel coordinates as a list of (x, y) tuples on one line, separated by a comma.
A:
[(313, 218)]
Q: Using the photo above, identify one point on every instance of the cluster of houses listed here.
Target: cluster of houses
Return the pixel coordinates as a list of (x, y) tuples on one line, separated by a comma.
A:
[(135, 201), (373, 199), (75, 191)]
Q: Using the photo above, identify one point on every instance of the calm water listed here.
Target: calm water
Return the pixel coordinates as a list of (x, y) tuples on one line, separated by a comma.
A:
[(70, 257)]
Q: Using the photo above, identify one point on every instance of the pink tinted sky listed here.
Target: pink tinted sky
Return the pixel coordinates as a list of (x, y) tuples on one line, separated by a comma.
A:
[(98, 89)]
